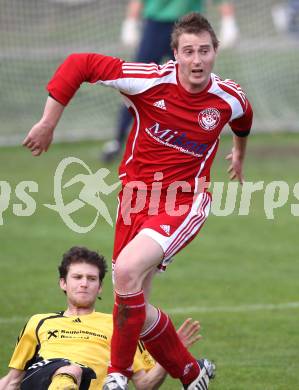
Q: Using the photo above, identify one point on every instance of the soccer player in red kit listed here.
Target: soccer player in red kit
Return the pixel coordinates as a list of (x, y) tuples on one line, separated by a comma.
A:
[(179, 109)]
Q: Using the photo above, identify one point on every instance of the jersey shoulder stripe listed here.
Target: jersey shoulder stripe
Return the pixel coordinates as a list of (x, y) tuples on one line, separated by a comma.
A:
[(233, 88), (33, 323), (147, 69), (138, 81), (231, 93), (41, 322)]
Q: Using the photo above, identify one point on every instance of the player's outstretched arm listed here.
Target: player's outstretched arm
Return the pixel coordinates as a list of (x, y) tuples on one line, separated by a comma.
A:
[(40, 136), (237, 157), (153, 379), (12, 380)]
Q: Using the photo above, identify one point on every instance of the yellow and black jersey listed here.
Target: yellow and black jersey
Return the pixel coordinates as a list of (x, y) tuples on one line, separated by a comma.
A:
[(83, 339)]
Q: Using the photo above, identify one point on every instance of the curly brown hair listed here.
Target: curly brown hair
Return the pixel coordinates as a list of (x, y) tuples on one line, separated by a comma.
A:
[(78, 254)]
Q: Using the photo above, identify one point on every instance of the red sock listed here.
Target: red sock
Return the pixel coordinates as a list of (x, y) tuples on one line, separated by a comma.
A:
[(163, 343), (128, 320)]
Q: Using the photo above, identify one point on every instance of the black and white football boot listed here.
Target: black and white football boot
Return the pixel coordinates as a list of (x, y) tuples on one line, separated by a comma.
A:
[(207, 372)]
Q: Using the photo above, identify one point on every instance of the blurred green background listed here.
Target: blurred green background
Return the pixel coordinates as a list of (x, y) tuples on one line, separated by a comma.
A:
[(35, 36)]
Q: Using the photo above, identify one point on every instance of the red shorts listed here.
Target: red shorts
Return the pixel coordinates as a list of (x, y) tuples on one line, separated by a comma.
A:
[(171, 232)]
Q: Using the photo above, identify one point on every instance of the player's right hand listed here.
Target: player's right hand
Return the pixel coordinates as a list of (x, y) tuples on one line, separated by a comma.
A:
[(39, 138), (235, 170)]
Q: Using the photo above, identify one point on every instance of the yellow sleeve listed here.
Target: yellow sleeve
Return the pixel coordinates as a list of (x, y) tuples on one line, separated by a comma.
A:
[(142, 360), (27, 343)]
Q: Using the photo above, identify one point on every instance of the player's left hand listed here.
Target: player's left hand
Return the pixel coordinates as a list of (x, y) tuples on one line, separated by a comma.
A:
[(188, 332), (236, 167), (38, 139)]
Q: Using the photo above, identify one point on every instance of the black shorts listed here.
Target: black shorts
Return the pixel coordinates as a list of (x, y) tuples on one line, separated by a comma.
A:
[(38, 376)]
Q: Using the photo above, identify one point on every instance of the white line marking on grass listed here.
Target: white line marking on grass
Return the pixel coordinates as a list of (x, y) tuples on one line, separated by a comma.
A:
[(197, 309), (234, 309)]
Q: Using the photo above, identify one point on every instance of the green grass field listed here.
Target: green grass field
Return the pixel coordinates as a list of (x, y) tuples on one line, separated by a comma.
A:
[(239, 277)]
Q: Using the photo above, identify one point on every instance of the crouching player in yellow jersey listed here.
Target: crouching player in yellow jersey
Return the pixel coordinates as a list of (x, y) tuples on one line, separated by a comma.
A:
[(70, 350)]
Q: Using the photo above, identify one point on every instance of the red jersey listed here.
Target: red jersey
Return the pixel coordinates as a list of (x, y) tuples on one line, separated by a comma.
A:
[(174, 132)]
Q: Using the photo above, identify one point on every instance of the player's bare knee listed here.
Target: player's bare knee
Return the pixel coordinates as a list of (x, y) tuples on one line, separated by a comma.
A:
[(127, 278), (72, 370)]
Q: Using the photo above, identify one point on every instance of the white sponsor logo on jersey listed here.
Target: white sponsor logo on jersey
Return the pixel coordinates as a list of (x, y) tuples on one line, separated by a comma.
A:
[(176, 139), (160, 104), (166, 229), (209, 118)]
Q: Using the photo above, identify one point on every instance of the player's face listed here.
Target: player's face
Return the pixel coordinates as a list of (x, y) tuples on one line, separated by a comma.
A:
[(82, 285), (196, 57)]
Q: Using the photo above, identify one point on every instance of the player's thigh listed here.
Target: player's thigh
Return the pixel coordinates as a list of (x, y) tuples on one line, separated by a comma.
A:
[(139, 257), (172, 232)]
